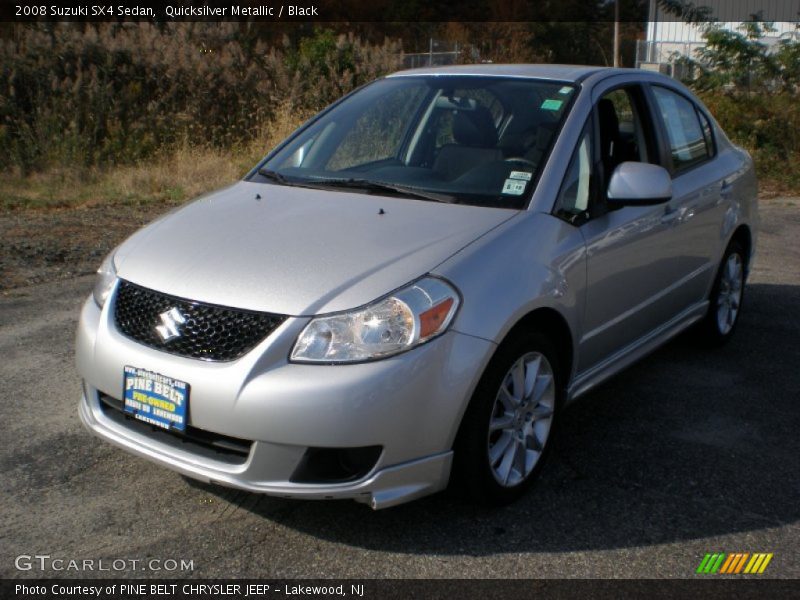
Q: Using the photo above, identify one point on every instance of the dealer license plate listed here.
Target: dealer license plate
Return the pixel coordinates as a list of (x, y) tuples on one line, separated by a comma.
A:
[(155, 398)]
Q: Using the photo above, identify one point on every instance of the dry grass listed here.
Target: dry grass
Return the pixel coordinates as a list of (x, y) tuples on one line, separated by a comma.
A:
[(64, 188), (168, 179), (61, 222)]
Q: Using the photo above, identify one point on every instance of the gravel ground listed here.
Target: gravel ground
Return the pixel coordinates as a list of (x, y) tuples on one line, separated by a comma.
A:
[(47, 245), (690, 451)]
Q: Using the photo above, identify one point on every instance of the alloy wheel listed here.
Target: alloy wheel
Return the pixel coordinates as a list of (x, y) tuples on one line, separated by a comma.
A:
[(521, 419), (730, 293)]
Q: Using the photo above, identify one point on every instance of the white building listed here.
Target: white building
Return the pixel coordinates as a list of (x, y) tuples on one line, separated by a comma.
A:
[(667, 35)]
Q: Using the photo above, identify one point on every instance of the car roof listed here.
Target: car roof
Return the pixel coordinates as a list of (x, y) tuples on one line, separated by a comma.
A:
[(568, 73)]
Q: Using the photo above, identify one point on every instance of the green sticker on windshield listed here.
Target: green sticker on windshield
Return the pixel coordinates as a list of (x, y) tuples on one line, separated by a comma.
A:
[(551, 104)]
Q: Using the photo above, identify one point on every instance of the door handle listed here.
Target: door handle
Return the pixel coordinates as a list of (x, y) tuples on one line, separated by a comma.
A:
[(672, 215), (726, 189)]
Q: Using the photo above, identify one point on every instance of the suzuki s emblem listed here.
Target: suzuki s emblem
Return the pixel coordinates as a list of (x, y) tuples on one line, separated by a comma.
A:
[(169, 324)]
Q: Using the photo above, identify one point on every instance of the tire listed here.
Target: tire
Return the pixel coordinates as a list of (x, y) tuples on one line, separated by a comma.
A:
[(727, 294), (502, 443)]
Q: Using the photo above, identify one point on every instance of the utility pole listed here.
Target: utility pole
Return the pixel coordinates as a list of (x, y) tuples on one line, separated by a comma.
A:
[(616, 33), (652, 31)]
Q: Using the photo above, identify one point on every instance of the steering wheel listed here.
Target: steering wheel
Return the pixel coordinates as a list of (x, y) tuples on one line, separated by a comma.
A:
[(519, 159)]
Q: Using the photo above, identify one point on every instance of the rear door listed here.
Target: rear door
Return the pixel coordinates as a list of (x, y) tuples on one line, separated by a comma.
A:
[(695, 213)]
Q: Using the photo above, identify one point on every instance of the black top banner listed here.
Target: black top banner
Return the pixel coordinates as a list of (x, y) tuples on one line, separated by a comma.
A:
[(397, 10)]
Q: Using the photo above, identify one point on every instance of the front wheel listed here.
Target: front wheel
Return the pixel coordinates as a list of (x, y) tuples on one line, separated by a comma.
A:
[(503, 440), (725, 301)]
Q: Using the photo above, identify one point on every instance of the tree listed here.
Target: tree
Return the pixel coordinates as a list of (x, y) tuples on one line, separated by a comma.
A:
[(741, 60)]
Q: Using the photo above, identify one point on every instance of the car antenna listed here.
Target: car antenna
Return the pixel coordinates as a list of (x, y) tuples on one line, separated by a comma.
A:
[(381, 211)]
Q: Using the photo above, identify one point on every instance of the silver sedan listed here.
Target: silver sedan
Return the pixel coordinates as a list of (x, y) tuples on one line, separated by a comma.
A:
[(411, 287)]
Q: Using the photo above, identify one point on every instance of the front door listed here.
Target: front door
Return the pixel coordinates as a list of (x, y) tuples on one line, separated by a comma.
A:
[(633, 266)]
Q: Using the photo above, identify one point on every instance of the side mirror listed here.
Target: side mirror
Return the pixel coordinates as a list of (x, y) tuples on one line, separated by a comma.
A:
[(638, 184)]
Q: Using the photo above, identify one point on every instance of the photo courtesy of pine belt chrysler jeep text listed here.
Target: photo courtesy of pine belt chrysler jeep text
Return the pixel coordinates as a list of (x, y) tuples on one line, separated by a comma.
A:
[(409, 289)]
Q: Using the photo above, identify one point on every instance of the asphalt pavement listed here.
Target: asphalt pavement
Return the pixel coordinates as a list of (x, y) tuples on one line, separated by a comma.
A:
[(688, 452)]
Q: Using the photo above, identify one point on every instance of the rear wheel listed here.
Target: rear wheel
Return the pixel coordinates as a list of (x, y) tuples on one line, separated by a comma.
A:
[(503, 440), (725, 302)]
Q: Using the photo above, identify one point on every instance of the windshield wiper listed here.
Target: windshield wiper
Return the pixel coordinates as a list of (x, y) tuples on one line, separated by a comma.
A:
[(382, 186), (275, 176), (360, 184)]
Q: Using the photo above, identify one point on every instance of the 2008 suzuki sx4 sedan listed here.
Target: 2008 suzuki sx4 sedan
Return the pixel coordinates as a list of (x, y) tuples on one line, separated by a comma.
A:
[(411, 287)]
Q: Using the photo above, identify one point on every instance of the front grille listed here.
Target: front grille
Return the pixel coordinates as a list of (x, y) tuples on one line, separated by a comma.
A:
[(208, 332), (212, 445)]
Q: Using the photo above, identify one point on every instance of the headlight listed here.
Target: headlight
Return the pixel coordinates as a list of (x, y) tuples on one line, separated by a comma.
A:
[(389, 326), (106, 276)]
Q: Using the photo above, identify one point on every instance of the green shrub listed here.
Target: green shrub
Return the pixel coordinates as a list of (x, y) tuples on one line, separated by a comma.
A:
[(111, 93), (752, 90), (768, 126)]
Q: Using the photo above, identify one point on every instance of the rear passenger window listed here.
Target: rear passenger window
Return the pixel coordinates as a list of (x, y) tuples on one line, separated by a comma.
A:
[(687, 140)]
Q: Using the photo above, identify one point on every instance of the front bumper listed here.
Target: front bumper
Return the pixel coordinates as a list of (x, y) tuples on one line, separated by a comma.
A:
[(410, 405)]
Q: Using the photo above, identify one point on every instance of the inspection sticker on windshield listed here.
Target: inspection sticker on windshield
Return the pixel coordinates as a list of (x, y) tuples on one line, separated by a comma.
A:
[(565, 90), (524, 175), (514, 187), (551, 104)]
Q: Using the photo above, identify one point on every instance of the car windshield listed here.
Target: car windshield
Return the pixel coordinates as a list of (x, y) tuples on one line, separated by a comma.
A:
[(465, 139)]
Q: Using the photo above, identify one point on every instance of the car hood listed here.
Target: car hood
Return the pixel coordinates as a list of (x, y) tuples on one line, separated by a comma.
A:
[(297, 251)]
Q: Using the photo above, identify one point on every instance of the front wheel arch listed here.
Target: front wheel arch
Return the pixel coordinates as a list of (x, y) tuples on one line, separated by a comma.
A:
[(472, 466), (552, 324)]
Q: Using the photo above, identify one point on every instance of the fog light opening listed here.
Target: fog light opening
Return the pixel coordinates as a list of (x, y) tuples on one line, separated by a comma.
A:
[(335, 465)]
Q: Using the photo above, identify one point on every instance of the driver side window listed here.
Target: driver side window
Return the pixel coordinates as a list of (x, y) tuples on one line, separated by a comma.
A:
[(622, 137)]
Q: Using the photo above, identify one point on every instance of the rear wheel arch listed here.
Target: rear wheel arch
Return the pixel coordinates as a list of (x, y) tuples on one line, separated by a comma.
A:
[(744, 237), (727, 290)]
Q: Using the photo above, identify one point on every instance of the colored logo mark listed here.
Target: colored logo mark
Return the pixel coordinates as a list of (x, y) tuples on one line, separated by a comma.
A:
[(734, 563)]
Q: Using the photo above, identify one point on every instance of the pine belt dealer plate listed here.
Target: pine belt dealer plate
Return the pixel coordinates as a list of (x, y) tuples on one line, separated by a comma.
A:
[(155, 399)]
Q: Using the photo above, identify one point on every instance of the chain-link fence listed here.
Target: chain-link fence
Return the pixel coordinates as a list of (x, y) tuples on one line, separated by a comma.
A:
[(661, 56)]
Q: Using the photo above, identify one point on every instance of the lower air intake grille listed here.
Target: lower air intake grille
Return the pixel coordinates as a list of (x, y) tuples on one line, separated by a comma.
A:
[(206, 443), (204, 331)]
